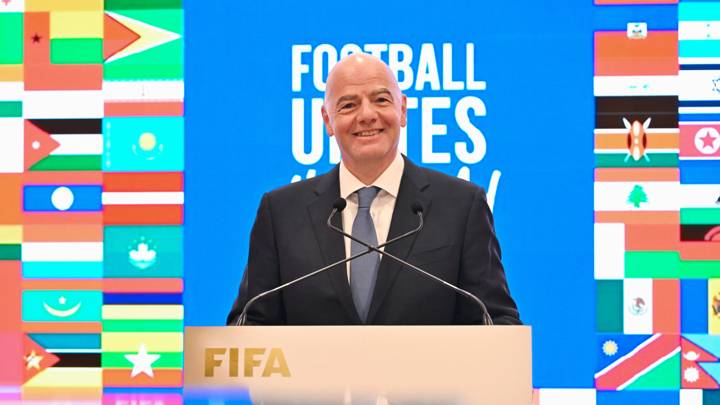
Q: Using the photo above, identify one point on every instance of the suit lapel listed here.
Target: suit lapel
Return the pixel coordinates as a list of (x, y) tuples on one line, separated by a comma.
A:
[(331, 243), (413, 187)]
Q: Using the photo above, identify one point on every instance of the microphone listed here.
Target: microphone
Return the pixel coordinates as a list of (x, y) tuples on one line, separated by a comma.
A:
[(417, 209), (338, 206)]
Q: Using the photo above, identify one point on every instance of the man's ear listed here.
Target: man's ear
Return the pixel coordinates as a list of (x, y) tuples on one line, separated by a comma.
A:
[(326, 120), (403, 111)]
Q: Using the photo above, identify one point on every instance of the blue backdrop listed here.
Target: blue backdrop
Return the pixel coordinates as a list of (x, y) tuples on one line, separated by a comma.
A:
[(536, 59)]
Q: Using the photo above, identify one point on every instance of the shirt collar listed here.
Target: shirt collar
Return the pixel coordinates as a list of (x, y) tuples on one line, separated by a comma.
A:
[(389, 180)]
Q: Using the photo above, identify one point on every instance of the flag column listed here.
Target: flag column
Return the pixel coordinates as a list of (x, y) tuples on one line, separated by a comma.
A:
[(699, 224), (636, 209), (143, 194), (61, 197)]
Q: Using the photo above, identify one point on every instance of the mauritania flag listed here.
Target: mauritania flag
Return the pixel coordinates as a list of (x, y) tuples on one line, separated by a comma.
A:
[(638, 362), (63, 144), (61, 306)]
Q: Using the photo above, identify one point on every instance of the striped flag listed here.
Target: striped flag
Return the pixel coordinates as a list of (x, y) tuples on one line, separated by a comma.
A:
[(638, 362), (634, 132), (143, 198), (63, 144), (699, 95), (698, 34), (142, 340)]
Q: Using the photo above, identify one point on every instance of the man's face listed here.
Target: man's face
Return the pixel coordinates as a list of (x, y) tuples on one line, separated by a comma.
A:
[(364, 110)]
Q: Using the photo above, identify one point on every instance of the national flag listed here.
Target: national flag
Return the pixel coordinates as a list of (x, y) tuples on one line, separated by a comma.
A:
[(156, 53), (11, 207), (61, 306), (63, 144), (75, 352), (11, 145), (638, 362), (54, 198), (143, 198), (700, 366), (700, 141), (41, 74), (143, 98), (698, 33), (699, 95), (699, 171), (693, 294), (611, 86), (143, 252), (636, 196), (143, 144), (636, 131), (618, 55), (142, 359)]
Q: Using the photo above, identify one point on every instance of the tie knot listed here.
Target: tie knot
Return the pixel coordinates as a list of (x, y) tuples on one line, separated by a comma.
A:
[(366, 195)]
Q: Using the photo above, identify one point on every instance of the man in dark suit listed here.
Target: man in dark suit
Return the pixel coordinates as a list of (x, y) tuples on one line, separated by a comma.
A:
[(365, 110)]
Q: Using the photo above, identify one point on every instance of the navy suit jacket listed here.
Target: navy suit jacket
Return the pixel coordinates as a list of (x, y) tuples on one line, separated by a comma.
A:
[(290, 238)]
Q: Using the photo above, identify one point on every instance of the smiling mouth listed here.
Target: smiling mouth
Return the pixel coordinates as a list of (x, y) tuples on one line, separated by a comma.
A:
[(368, 133)]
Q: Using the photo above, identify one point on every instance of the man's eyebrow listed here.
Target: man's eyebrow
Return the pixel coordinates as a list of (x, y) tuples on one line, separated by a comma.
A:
[(383, 90), (349, 97)]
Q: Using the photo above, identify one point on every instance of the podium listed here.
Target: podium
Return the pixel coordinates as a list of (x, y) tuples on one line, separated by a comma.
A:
[(355, 364)]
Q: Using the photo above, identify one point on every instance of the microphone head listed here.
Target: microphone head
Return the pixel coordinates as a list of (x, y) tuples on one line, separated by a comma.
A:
[(340, 204), (417, 207)]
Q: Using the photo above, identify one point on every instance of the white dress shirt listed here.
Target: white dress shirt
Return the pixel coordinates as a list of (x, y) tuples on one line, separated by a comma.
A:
[(382, 207)]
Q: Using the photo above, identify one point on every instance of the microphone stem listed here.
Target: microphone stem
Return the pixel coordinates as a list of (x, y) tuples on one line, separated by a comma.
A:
[(486, 315)]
